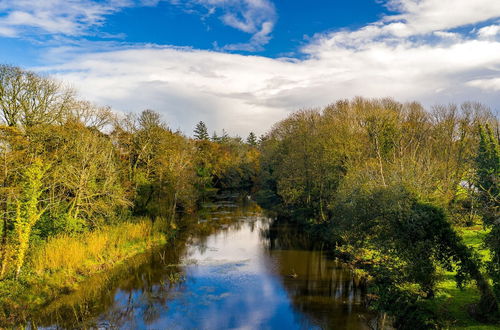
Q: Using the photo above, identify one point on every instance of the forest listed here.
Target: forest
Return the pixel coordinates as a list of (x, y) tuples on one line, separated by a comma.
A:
[(393, 189)]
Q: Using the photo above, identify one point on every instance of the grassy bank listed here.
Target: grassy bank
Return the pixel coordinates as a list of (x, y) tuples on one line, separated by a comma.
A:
[(452, 303), (60, 264)]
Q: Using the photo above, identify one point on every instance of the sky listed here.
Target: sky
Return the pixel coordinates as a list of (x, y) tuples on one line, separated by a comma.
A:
[(242, 65)]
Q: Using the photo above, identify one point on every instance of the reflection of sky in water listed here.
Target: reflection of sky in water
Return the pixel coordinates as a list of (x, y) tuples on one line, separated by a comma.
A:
[(229, 287), (237, 278)]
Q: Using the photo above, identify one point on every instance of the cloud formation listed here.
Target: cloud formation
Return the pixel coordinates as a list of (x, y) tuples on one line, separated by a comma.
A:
[(429, 51), (424, 16), (60, 17), (255, 17)]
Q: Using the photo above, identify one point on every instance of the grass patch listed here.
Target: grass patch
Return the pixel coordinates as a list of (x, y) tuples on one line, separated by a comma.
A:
[(451, 303)]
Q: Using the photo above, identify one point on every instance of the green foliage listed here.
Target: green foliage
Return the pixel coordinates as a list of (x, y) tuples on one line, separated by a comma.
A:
[(409, 310), (380, 177), (488, 173), (488, 182), (28, 210)]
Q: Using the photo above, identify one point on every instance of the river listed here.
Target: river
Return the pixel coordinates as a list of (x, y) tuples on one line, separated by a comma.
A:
[(238, 268)]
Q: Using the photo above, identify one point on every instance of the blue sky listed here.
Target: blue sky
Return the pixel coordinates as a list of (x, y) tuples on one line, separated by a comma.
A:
[(199, 25), (243, 64)]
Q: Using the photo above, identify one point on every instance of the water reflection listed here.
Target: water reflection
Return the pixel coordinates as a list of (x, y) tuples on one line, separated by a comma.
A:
[(236, 269)]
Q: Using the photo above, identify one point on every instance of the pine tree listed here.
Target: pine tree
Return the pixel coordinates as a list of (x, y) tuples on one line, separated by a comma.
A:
[(201, 131), (252, 139)]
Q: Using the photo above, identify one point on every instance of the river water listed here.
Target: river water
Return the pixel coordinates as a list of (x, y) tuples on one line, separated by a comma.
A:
[(237, 269)]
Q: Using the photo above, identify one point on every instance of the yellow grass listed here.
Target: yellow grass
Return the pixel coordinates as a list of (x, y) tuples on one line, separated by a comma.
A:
[(89, 252)]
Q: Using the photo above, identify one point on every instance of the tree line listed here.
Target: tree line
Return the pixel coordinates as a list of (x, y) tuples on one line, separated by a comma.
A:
[(386, 184), (69, 166)]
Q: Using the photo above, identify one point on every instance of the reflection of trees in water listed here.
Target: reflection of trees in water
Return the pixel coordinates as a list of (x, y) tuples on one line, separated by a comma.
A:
[(283, 235), (137, 293), (140, 288), (318, 286), (144, 280), (222, 218)]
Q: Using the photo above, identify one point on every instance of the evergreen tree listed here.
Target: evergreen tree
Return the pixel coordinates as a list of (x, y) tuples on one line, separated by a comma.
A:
[(215, 137), (224, 136), (201, 131), (488, 177), (252, 139), (488, 169)]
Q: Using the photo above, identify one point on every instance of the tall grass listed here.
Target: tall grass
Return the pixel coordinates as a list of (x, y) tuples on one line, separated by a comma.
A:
[(91, 252), (62, 262)]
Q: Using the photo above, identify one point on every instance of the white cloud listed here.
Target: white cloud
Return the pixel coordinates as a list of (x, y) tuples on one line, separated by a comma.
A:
[(65, 17), (255, 17), (492, 84), (424, 16), (258, 40), (246, 93), (489, 31), (410, 56)]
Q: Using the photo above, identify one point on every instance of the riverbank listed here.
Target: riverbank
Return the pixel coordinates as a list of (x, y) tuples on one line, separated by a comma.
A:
[(450, 305), (225, 258), (59, 265)]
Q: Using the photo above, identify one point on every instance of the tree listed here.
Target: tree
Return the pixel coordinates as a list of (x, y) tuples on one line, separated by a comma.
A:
[(28, 209), (488, 182), (224, 138), (27, 99), (215, 137), (12, 150), (252, 139), (488, 171), (201, 131)]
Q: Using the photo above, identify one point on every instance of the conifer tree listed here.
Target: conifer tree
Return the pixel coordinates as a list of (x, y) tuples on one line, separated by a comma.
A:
[(201, 131), (224, 136), (215, 137), (488, 169), (252, 139)]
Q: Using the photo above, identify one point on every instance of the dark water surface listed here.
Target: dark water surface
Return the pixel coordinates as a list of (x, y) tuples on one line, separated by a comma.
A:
[(239, 270)]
